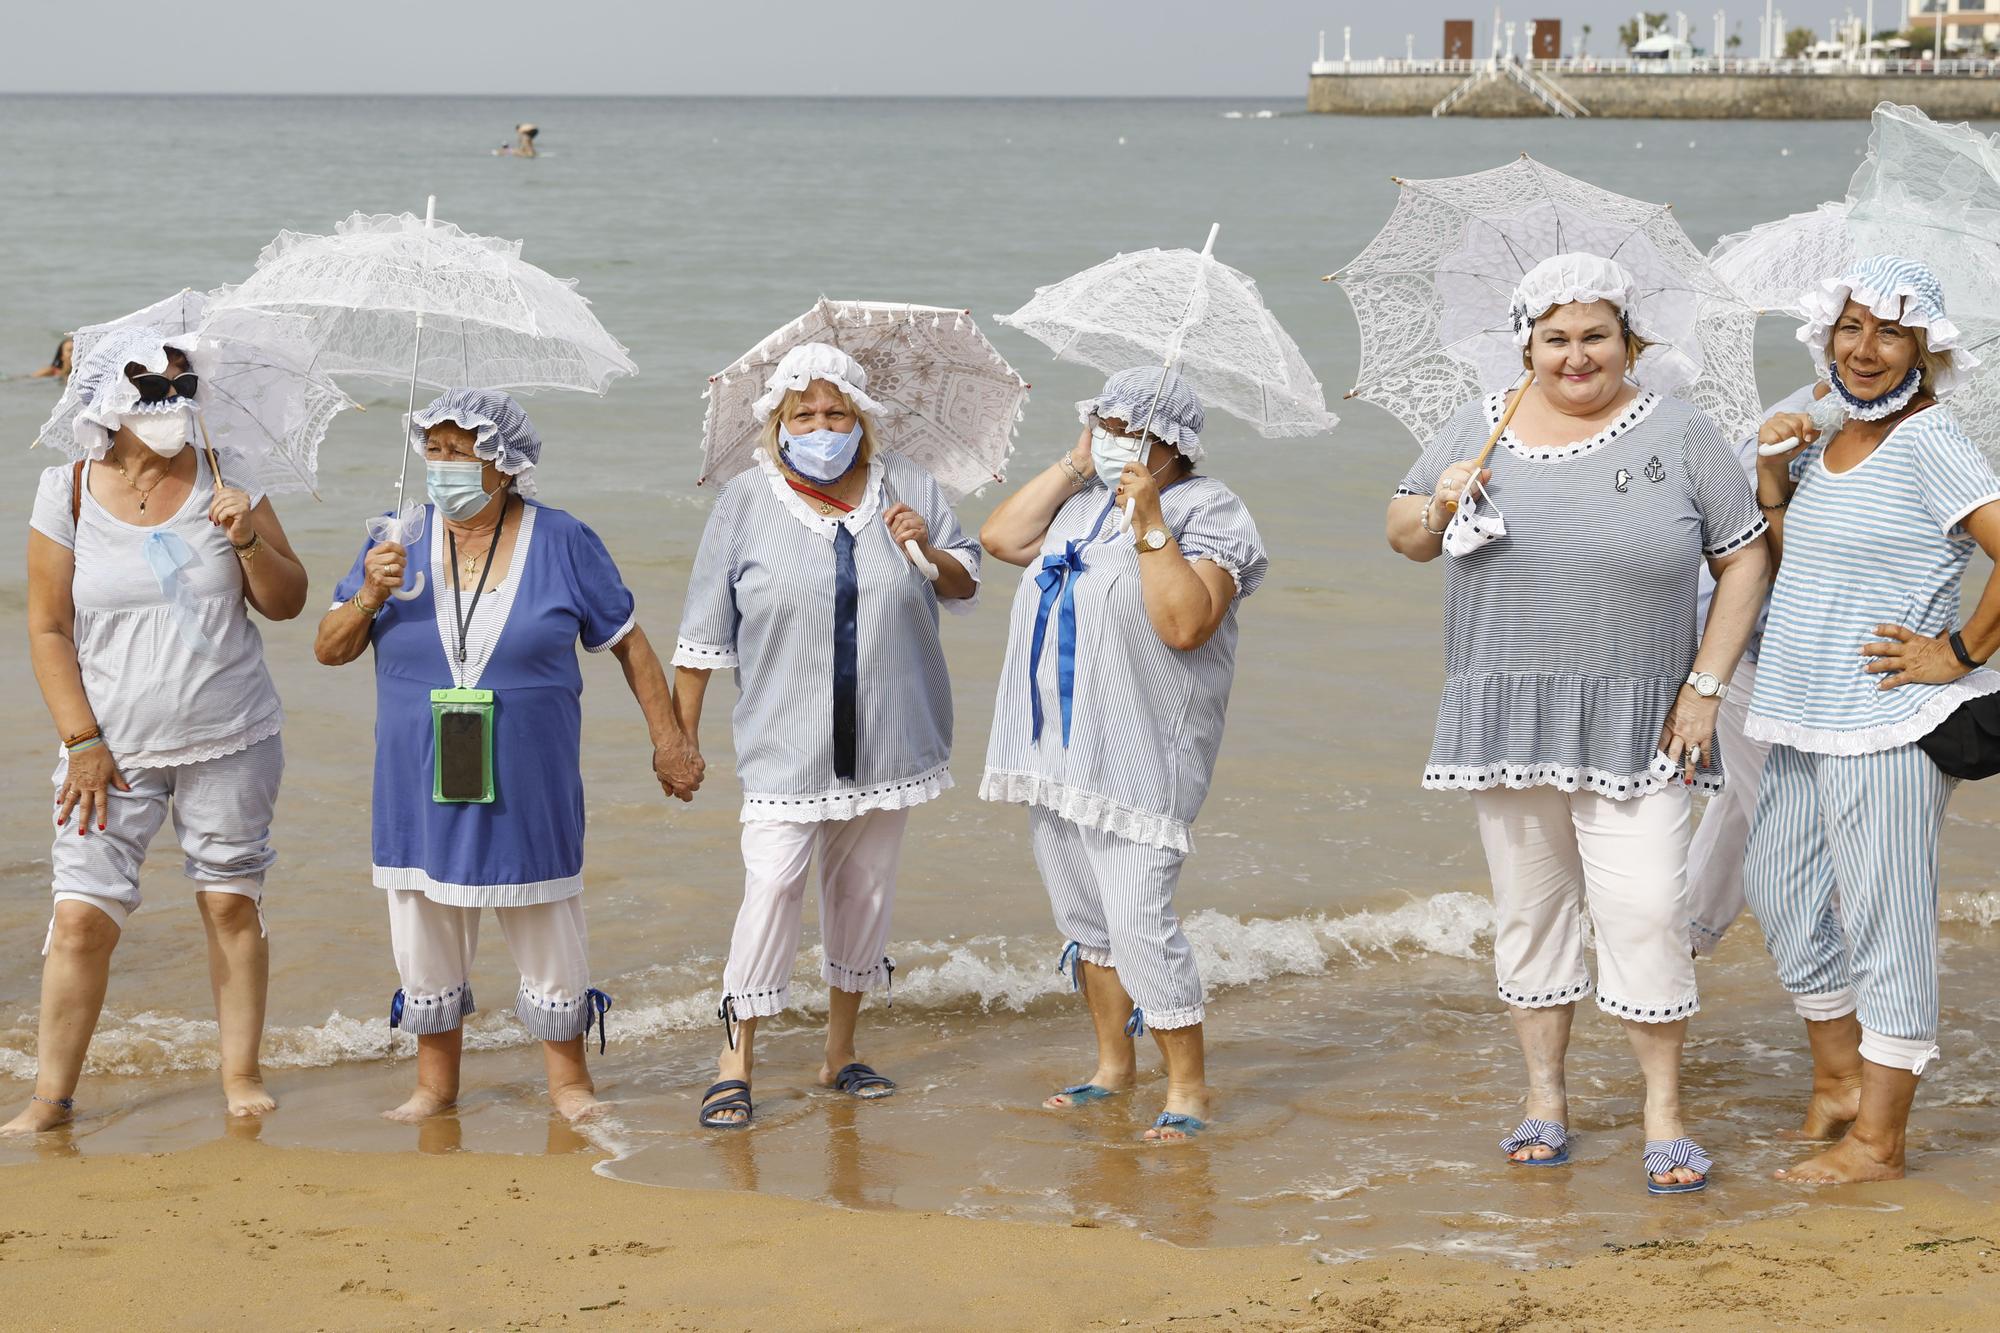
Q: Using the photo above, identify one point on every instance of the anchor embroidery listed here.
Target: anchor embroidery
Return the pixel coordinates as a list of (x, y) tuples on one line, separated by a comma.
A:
[(1622, 481), (1654, 472)]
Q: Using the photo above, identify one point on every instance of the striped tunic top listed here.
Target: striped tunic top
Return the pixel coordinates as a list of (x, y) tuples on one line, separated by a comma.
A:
[(1880, 543), (760, 602), (1147, 719), (1567, 640)]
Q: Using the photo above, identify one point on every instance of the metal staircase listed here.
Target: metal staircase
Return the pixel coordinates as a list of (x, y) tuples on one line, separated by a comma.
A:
[(1550, 94)]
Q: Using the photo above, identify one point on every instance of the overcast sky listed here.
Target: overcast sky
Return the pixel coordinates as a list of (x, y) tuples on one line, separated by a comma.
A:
[(758, 47)]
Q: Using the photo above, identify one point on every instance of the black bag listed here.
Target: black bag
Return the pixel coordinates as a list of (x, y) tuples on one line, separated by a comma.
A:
[(1967, 744)]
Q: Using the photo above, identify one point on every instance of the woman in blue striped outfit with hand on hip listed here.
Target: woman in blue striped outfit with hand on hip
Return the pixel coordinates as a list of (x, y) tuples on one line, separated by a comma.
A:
[(1120, 654), (1580, 695), (1863, 656), (843, 707)]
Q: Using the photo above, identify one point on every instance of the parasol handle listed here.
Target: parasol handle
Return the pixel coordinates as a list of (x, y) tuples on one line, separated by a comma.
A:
[(414, 591), (924, 567), (1498, 431)]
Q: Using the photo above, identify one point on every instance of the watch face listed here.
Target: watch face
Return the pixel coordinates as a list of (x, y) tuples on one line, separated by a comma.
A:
[(1156, 539)]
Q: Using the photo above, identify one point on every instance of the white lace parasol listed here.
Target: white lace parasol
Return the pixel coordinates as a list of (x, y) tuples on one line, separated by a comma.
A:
[(944, 397), (1188, 310), (257, 399), (1772, 265), (1431, 293)]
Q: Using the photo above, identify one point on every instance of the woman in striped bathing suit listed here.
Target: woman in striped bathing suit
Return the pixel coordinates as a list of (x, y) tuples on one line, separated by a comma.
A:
[(1863, 656), (1579, 709), (843, 707)]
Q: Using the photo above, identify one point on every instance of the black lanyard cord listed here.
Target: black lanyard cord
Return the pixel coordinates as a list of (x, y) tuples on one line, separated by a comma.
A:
[(462, 617)]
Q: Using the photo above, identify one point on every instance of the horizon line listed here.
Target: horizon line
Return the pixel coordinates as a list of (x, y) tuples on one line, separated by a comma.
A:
[(668, 97)]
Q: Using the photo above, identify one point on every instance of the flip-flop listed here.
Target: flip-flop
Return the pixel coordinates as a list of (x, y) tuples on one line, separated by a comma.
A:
[(1531, 1132), (858, 1080), (1187, 1124), (1083, 1094), (737, 1100), (1663, 1155)]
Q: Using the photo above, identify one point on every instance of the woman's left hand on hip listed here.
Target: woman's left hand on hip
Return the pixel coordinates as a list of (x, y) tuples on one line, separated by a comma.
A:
[(230, 511), (1689, 736), (1901, 656)]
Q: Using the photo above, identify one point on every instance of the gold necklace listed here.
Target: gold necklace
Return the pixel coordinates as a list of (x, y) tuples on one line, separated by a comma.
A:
[(147, 493)]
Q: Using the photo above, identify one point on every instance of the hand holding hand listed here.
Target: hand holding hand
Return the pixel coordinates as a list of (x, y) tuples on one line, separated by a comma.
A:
[(679, 767)]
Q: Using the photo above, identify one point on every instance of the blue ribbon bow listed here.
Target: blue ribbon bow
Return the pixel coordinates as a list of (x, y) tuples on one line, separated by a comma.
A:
[(167, 556), (1068, 961), (595, 1002), (396, 1011), (1058, 580)]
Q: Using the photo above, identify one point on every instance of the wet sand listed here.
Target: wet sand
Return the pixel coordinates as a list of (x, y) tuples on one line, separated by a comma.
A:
[(299, 1238)]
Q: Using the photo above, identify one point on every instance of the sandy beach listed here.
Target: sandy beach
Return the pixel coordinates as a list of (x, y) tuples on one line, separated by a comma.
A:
[(336, 1240)]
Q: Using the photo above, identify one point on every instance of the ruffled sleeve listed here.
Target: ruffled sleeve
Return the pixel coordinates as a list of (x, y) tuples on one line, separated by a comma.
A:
[(1953, 476), (1453, 442), (51, 514), (604, 604), (707, 638), (1730, 519), (1220, 529)]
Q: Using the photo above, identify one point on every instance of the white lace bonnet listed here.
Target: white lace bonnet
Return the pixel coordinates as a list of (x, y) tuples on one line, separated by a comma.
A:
[(503, 434), (1581, 277), (1128, 397), (1893, 288), (807, 362), (98, 392)]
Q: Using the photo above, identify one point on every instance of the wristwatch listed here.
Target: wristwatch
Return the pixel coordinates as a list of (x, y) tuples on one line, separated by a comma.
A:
[(1154, 539), (1707, 686)]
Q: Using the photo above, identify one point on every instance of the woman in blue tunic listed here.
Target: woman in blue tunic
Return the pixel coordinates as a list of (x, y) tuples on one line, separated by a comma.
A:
[(478, 790)]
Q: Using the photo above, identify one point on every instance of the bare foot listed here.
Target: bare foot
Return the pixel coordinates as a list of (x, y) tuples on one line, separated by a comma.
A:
[(246, 1095), (1552, 1107), (35, 1118), (1111, 1080), (1193, 1103), (1835, 1102), (423, 1104), (577, 1104), (1848, 1160)]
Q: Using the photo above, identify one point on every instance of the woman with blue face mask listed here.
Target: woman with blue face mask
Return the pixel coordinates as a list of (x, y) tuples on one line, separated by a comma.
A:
[(478, 787), (1120, 654), (802, 587)]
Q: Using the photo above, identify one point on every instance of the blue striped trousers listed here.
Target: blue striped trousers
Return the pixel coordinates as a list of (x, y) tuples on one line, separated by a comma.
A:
[(1115, 898), (1842, 872)]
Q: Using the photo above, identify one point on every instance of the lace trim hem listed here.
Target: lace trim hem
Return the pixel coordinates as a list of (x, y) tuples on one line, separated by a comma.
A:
[(1660, 775), (1569, 994), (206, 750), (759, 1003), (898, 795), (1885, 736), (1639, 409), (856, 520), (1085, 808), (1649, 1013), (703, 656)]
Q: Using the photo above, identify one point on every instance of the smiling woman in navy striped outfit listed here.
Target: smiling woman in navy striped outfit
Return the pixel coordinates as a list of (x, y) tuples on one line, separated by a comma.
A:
[(1874, 525), (1577, 709), (843, 709)]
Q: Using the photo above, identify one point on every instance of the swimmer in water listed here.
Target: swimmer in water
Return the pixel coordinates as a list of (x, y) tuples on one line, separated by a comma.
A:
[(58, 366), (524, 138)]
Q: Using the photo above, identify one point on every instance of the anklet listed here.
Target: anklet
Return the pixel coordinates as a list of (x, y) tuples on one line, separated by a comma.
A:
[(66, 1103)]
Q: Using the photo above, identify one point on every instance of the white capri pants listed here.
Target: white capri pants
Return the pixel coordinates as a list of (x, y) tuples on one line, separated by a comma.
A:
[(435, 944), (221, 810), (1843, 876), (1114, 899), (857, 888), (1564, 862), (1722, 838)]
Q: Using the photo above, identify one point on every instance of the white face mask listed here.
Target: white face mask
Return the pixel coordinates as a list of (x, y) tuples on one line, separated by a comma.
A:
[(1471, 528), (165, 433), (1110, 453)]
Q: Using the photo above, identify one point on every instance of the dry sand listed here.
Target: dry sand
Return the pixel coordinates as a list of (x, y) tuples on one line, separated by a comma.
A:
[(239, 1233)]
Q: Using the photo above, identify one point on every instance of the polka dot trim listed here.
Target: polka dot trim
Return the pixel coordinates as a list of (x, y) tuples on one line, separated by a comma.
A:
[(1564, 995), (547, 1005), (1655, 1013), (1750, 534), (1618, 786), (1638, 410), (452, 996)]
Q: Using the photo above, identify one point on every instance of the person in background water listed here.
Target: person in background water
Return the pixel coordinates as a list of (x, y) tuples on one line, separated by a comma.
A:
[(58, 366), (513, 587), (143, 566)]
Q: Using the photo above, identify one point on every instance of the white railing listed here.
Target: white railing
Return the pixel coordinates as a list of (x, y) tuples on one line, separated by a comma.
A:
[(1980, 68), (1546, 91), (1474, 80)]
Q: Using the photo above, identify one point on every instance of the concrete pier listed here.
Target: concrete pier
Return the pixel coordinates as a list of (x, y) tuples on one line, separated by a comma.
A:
[(1665, 95)]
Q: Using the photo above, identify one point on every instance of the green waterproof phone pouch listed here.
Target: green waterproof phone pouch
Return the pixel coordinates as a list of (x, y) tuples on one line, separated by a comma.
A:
[(462, 745)]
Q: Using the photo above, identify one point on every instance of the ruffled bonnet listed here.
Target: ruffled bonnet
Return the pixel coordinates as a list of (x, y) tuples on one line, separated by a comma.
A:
[(503, 434), (1128, 397), (98, 392), (1580, 277), (1893, 288), (814, 361)]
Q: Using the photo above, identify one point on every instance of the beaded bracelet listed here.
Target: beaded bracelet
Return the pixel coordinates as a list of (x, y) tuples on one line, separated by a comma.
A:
[(81, 746)]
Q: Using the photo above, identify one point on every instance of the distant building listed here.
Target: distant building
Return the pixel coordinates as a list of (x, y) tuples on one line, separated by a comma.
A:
[(1964, 20)]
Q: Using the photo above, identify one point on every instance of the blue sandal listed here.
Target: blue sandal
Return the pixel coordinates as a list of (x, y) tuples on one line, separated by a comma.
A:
[(1083, 1094), (737, 1100), (858, 1080), (1663, 1155), (1187, 1124), (1531, 1132)]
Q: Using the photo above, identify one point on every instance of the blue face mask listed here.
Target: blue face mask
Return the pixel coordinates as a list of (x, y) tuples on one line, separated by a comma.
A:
[(457, 489), (822, 455)]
